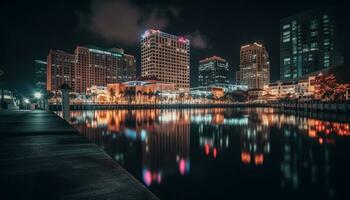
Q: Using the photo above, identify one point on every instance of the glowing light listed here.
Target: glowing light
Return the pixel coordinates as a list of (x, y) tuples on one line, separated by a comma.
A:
[(26, 101), (259, 159), (159, 178), (245, 157), (147, 177), (143, 134), (182, 166), (182, 40), (37, 95), (206, 149), (312, 133), (214, 152), (320, 140), (130, 134)]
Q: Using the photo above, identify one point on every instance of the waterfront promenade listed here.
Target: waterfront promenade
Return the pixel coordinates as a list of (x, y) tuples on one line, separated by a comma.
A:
[(43, 157)]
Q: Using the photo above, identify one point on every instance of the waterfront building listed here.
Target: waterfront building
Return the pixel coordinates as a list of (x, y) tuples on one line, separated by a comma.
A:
[(126, 69), (303, 89), (207, 91), (213, 70), (256, 94), (309, 42), (166, 57), (40, 74), (95, 66), (254, 68), (60, 69), (89, 66), (217, 90), (140, 91)]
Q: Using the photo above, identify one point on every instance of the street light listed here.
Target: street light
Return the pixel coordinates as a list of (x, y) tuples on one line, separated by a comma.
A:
[(26, 101), (37, 95)]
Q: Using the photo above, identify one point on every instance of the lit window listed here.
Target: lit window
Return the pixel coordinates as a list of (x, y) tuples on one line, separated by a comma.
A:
[(286, 26), (314, 46), (286, 61), (326, 42), (313, 34)]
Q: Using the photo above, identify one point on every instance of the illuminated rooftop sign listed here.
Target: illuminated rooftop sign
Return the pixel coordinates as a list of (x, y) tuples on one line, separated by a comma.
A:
[(105, 52), (183, 40), (149, 32)]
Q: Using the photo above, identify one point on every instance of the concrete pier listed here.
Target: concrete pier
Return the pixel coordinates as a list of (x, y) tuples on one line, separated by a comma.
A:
[(43, 157)]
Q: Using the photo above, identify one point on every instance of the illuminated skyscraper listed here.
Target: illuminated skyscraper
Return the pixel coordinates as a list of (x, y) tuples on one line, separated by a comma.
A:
[(60, 69), (40, 74), (95, 66), (127, 70), (213, 70), (254, 66), (166, 57), (309, 42)]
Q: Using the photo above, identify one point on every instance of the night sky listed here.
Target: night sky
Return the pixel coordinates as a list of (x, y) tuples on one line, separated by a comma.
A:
[(30, 28)]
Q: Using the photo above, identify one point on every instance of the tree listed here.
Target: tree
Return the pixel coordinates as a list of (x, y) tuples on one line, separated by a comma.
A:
[(144, 95), (129, 93), (121, 94), (112, 93), (139, 94), (327, 88), (150, 95), (157, 95)]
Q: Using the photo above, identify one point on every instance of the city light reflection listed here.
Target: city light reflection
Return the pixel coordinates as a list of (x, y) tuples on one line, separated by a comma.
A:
[(169, 143)]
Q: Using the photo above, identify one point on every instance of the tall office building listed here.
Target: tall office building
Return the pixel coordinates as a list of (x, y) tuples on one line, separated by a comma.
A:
[(254, 66), (166, 57), (89, 66), (60, 69), (40, 74), (95, 66), (213, 70), (308, 43), (127, 70)]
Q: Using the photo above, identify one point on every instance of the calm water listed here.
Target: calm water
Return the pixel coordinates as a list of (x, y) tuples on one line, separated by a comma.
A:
[(225, 153)]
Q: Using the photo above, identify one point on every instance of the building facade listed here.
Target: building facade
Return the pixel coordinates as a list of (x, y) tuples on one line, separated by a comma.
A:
[(254, 68), (89, 66), (166, 57), (213, 70), (95, 66), (60, 69), (128, 70), (40, 74), (309, 42)]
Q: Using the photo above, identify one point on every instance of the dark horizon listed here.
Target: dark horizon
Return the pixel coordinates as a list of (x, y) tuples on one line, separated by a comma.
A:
[(30, 30)]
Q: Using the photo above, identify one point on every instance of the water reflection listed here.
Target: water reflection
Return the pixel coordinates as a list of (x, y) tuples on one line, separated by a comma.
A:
[(160, 146)]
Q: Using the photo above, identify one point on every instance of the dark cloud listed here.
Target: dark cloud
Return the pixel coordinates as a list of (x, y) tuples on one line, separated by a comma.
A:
[(198, 40), (122, 21)]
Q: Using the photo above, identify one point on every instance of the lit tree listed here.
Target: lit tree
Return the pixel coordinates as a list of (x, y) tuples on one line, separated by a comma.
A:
[(327, 88), (112, 93)]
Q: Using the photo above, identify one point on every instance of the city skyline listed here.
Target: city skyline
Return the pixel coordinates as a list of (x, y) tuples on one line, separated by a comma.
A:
[(174, 99), (207, 42)]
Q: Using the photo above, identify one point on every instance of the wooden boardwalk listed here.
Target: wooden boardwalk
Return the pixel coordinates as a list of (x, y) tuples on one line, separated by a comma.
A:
[(43, 157)]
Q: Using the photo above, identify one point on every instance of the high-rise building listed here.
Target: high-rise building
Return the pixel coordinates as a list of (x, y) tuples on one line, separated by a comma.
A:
[(90, 66), (40, 74), (213, 70), (254, 66), (95, 66), (166, 57), (309, 42), (60, 69), (127, 70)]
